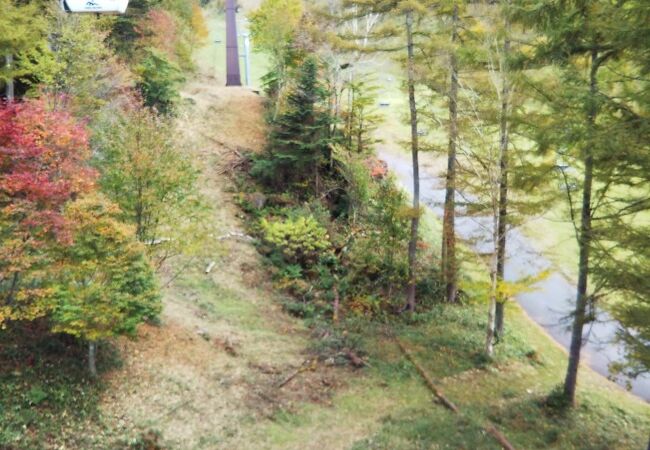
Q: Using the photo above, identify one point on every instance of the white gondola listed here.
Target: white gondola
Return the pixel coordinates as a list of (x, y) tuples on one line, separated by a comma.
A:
[(95, 6)]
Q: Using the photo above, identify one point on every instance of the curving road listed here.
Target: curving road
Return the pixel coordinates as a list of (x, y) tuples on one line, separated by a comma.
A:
[(552, 301)]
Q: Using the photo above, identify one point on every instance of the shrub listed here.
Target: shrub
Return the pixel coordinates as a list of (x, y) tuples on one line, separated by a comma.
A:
[(299, 240)]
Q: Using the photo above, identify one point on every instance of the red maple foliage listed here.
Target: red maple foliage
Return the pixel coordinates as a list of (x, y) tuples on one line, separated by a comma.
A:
[(43, 164)]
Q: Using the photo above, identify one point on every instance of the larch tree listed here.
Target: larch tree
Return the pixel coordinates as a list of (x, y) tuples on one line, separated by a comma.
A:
[(580, 40), (440, 64), (492, 161), (623, 255), (391, 35), (449, 262)]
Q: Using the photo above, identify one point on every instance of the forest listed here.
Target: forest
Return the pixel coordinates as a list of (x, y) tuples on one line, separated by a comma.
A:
[(339, 224)]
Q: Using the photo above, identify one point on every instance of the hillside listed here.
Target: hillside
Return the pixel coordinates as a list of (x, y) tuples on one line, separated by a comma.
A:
[(251, 349)]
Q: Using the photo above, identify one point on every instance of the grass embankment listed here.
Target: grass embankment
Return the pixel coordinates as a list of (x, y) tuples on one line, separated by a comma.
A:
[(389, 407)]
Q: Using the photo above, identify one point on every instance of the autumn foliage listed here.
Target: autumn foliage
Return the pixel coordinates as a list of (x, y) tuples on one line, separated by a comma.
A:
[(159, 30), (43, 157)]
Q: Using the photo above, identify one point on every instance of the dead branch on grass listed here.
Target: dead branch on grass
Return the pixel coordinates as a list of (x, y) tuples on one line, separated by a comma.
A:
[(487, 427), (308, 364)]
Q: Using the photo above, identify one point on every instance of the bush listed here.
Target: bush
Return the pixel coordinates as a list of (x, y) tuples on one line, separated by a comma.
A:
[(299, 241), (377, 259)]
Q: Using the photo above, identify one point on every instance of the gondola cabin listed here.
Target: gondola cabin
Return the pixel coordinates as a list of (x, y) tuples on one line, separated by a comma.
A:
[(95, 6)]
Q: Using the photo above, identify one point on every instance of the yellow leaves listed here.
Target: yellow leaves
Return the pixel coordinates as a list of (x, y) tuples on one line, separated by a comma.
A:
[(409, 213), (274, 23), (508, 290), (298, 239), (28, 305), (198, 24)]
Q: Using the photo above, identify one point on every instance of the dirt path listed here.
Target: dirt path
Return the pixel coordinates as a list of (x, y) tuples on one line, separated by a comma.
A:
[(208, 373)]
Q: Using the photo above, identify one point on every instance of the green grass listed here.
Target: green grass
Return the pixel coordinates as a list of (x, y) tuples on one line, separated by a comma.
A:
[(388, 406)]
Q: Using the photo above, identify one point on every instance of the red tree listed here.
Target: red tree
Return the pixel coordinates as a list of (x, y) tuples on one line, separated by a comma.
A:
[(43, 165)]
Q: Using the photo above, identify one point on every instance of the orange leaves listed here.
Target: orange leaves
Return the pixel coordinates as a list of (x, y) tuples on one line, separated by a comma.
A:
[(158, 29), (43, 158)]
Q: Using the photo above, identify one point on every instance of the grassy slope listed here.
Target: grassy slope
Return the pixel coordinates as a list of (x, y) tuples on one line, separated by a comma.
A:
[(388, 406), (196, 394)]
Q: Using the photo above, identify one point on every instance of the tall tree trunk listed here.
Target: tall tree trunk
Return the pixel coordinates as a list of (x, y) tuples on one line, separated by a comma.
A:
[(9, 88), (494, 283), (337, 304), (503, 182), (449, 226), (92, 358), (584, 243), (415, 220)]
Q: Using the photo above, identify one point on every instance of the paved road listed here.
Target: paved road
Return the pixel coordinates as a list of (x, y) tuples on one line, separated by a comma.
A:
[(551, 303)]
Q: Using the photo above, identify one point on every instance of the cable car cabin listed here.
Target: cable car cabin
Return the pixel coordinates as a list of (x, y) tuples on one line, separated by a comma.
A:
[(95, 6)]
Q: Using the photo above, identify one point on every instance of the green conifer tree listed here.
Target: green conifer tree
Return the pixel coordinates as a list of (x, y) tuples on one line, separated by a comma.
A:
[(299, 142)]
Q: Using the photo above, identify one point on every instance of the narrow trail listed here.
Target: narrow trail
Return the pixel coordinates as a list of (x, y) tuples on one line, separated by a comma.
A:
[(211, 366), (208, 376)]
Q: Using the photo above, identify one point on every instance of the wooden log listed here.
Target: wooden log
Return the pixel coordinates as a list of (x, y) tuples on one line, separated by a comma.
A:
[(498, 436)]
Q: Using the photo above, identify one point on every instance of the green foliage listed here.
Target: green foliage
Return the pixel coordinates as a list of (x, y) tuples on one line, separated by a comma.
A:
[(80, 72), (159, 81), (377, 258), (106, 286), (22, 30), (300, 241), (362, 119), (273, 26), (299, 142), (153, 181)]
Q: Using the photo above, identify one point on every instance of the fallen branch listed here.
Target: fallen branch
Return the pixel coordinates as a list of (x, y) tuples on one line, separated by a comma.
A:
[(294, 374), (431, 385), (487, 427), (498, 436)]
